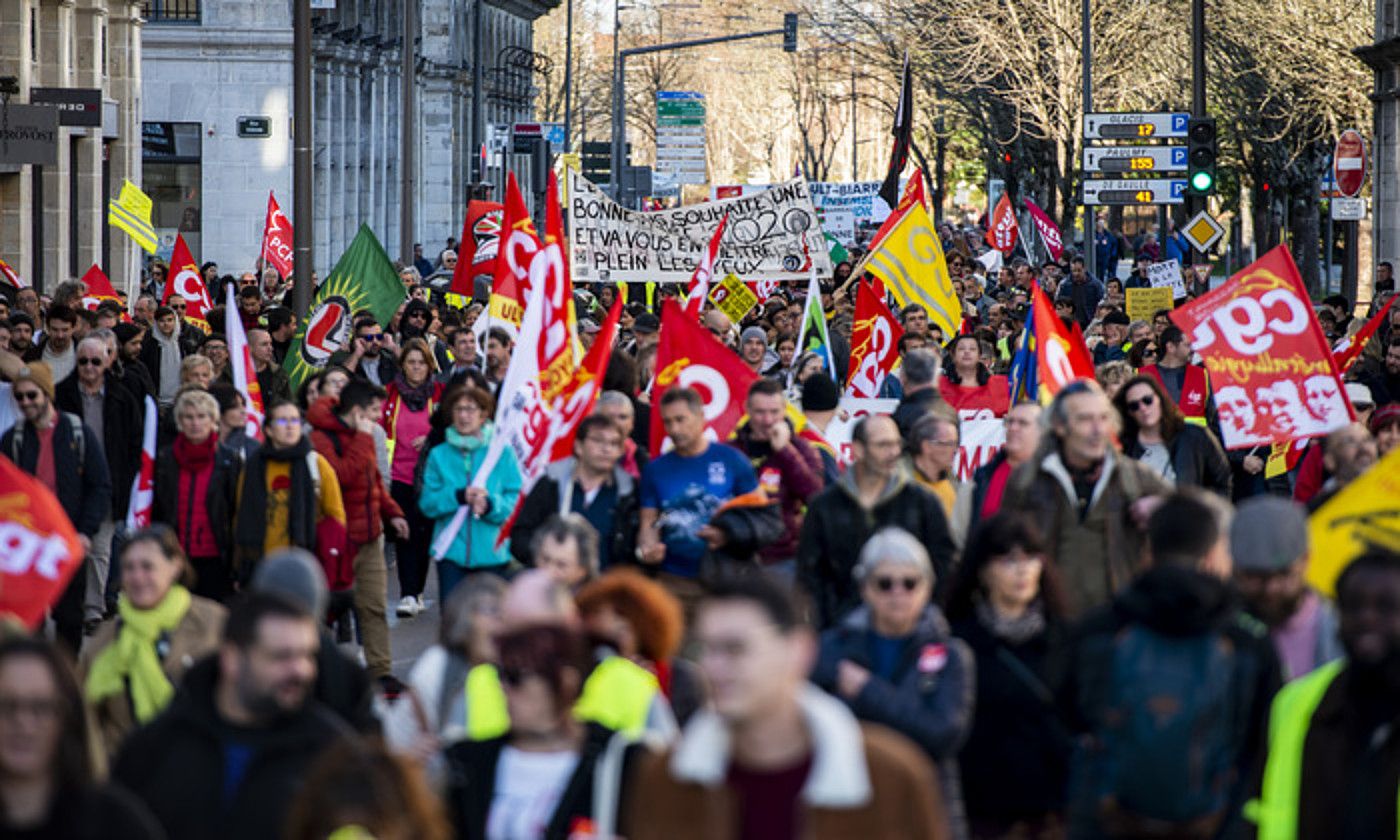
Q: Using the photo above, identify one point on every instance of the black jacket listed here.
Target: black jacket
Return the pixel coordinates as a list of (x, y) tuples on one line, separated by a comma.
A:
[(544, 501), (122, 427), (929, 699), (981, 480), (84, 489), (837, 526), (472, 784), (93, 812), (188, 340), (1016, 727), (220, 501), (175, 764), (1171, 601), (1196, 457), (913, 406)]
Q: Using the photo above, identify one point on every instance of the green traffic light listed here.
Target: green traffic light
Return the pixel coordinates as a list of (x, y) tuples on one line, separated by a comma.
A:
[(1202, 181)]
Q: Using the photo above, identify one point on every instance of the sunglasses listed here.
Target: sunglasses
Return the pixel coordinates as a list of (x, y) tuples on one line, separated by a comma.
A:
[(372, 336), (88, 361), (887, 584), (26, 396), (286, 421), (1134, 405)]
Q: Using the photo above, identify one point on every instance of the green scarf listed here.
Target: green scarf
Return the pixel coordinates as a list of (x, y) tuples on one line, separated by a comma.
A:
[(130, 662)]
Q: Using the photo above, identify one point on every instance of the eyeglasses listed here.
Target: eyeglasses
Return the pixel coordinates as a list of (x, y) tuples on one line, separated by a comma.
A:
[(1145, 402), (13, 707), (952, 443), (514, 676), (286, 421), (887, 584), (88, 361), (26, 396)]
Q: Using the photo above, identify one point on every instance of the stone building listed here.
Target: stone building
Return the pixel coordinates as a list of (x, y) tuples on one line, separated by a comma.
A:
[(81, 58), (218, 116), (1383, 56)]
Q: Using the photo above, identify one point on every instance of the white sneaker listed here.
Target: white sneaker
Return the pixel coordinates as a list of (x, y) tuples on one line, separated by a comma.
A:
[(421, 607), (408, 607)]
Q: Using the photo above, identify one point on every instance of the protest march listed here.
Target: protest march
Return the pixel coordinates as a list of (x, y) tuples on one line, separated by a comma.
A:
[(804, 511)]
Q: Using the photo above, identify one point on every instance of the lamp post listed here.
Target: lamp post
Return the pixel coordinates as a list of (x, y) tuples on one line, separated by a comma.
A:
[(303, 218)]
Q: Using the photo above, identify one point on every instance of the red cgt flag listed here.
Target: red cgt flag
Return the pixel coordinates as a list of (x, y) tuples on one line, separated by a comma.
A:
[(277, 247), (477, 248), (1003, 231), (39, 550), (517, 247), (874, 344), (99, 288), (1048, 230), (185, 280), (1061, 356), (687, 355)]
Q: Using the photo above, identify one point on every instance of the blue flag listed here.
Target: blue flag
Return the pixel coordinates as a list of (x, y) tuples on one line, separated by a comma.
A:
[(1023, 376)]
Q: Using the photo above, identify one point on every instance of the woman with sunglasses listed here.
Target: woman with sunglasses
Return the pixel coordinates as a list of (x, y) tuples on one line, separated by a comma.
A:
[(137, 657), (1156, 433), (548, 775), (407, 420), (1006, 606), (894, 661)]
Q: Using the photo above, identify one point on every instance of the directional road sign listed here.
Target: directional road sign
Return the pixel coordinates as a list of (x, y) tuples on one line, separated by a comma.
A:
[(1154, 159), (1135, 126), (1135, 191), (1203, 231)]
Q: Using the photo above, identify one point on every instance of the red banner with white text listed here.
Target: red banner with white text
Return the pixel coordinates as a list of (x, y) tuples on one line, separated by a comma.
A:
[(39, 550)]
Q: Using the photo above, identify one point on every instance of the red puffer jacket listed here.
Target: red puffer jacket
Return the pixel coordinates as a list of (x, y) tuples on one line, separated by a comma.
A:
[(351, 454)]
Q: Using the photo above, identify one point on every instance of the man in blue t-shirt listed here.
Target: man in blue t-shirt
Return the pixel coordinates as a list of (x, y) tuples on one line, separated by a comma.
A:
[(682, 489)]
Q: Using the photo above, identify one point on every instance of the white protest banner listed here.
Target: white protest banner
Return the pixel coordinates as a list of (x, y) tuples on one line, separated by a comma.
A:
[(1167, 274), (982, 434), (848, 411), (861, 199), (771, 235)]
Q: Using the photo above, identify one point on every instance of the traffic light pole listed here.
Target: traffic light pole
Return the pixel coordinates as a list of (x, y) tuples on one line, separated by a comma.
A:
[(1087, 71), (1198, 100), (620, 85)]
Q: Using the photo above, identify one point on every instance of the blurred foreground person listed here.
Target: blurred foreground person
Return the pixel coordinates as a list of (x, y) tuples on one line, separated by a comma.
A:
[(358, 790)]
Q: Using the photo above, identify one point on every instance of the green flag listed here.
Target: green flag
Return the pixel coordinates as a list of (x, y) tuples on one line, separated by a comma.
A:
[(364, 279), (812, 336), (836, 250)]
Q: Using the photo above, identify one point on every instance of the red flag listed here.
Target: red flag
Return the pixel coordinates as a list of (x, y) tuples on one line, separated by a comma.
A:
[(477, 248), (99, 288), (143, 492), (277, 244), (874, 344), (185, 280), (1061, 358), (11, 277), (517, 247), (1048, 230), (1003, 231), (240, 360), (699, 287), (1268, 360), (38, 544), (558, 350), (688, 356), (578, 397), (1347, 356)]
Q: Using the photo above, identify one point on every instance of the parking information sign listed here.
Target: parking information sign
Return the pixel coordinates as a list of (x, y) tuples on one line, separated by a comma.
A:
[(1115, 159), (1126, 191), (1135, 126)]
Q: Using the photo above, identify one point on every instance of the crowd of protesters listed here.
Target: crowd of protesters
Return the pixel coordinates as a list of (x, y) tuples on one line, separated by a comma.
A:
[(1104, 631)]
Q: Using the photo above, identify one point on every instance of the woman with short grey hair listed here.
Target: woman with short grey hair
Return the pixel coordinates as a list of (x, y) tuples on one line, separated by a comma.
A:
[(894, 661)]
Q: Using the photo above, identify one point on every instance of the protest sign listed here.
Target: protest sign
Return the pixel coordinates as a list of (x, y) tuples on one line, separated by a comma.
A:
[(1143, 302), (1274, 377), (849, 208), (1365, 513), (1167, 275), (734, 298), (981, 435), (771, 235), (848, 412)]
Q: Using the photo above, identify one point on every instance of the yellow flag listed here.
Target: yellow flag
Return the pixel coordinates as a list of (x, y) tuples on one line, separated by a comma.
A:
[(1365, 513), (910, 261), (132, 213)]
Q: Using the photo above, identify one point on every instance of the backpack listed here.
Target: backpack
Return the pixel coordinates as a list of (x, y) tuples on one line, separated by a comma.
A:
[(77, 438), (1170, 733)]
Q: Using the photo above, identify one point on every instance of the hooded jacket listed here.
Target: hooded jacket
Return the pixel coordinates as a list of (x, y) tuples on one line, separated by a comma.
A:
[(837, 526), (352, 457), (176, 764), (929, 699), (553, 494)]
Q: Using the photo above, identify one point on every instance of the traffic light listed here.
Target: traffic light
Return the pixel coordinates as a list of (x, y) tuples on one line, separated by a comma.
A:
[(1201, 154), (790, 32)]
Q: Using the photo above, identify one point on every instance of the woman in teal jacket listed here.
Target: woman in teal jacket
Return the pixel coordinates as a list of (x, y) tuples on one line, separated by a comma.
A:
[(450, 469)]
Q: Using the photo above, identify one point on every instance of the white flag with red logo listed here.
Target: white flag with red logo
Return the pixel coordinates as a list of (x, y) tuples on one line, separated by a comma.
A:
[(240, 359), (1048, 230), (187, 282), (277, 238), (699, 287), (143, 487), (1003, 231), (39, 548), (11, 277)]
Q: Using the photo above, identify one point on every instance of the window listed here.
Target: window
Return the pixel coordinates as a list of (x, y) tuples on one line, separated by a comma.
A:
[(170, 11), (171, 155)]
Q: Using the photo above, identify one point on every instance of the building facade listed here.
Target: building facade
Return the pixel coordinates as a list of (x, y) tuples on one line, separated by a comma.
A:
[(1383, 56), (218, 116), (82, 59)]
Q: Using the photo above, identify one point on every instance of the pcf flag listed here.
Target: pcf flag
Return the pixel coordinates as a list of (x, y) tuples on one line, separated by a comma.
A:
[(874, 344), (910, 262), (131, 211), (185, 281), (240, 365), (39, 549), (364, 278), (277, 244), (1269, 363), (1002, 232), (688, 356)]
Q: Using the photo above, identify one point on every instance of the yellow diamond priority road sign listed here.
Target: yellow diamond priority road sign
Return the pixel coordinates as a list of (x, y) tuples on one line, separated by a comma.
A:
[(1203, 231)]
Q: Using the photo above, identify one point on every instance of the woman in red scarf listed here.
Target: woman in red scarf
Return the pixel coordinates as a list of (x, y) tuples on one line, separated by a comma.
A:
[(408, 409), (194, 482)]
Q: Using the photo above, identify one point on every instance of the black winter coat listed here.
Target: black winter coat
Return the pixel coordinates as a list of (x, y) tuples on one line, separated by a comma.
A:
[(1015, 764), (221, 500), (84, 489), (913, 406), (544, 501), (123, 423), (472, 784), (837, 526), (1196, 457), (175, 764)]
